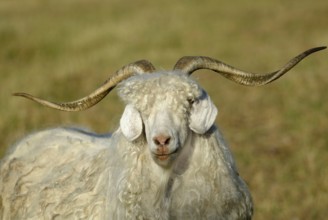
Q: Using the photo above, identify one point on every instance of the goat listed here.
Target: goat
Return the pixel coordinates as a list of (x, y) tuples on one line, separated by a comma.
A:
[(167, 160)]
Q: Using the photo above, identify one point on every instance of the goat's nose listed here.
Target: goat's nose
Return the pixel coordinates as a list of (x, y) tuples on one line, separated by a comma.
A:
[(162, 140)]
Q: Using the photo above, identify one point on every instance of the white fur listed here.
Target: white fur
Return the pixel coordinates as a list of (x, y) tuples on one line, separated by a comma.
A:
[(73, 174)]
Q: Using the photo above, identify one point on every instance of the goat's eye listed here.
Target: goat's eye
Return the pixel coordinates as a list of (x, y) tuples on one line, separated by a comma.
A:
[(191, 101)]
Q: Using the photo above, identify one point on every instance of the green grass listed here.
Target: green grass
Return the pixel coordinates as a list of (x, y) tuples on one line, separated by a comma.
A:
[(62, 50)]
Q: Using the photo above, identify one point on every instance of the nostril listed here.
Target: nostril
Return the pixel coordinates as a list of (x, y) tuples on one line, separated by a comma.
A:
[(162, 140), (156, 141), (167, 141)]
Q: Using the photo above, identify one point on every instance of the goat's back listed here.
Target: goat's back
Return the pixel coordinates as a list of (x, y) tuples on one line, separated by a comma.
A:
[(55, 172)]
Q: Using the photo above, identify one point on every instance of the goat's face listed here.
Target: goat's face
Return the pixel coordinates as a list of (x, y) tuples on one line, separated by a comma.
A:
[(166, 133), (167, 107)]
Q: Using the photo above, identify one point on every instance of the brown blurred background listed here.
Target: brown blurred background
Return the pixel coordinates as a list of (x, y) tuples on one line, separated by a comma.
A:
[(61, 50)]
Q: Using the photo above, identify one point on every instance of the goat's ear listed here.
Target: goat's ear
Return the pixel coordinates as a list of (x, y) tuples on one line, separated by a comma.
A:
[(131, 123), (202, 115)]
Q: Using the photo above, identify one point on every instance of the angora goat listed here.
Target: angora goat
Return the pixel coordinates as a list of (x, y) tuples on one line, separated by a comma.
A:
[(166, 161)]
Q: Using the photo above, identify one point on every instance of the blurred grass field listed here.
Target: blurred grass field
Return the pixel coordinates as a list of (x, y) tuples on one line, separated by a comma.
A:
[(61, 50)]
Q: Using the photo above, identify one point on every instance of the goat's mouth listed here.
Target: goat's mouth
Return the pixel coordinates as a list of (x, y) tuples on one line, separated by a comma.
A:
[(165, 156)]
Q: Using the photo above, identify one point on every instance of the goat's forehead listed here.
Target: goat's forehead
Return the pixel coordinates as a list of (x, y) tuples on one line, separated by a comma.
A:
[(172, 87)]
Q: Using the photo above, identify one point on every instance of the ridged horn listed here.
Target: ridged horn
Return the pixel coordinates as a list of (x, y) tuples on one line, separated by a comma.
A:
[(189, 64), (138, 67)]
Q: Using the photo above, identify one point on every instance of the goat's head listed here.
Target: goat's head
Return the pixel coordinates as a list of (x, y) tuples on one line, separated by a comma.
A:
[(168, 105)]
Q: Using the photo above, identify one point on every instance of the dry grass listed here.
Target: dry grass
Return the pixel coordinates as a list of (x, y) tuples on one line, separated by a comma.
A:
[(63, 49)]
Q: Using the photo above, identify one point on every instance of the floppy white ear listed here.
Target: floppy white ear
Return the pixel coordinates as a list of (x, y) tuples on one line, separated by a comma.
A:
[(202, 115), (131, 123)]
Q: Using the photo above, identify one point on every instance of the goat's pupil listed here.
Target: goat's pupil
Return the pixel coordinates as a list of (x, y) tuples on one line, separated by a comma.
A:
[(191, 101)]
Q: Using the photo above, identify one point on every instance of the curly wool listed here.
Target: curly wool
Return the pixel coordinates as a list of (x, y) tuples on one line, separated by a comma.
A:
[(173, 88), (58, 173), (68, 174), (207, 187)]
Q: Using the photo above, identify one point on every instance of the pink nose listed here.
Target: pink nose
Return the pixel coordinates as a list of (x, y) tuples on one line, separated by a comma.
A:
[(162, 140)]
